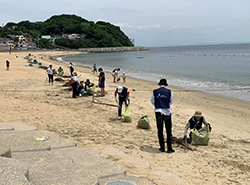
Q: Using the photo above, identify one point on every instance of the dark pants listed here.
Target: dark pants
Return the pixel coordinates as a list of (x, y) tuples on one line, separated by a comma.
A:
[(50, 78), (75, 91), (168, 125), (120, 106)]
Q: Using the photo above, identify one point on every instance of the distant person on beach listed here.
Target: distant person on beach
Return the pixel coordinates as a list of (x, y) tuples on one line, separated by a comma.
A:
[(123, 96), (195, 122), (115, 73), (7, 65), (162, 98), (124, 77), (101, 81), (35, 59), (50, 72), (71, 68), (60, 71), (94, 69), (81, 89), (74, 85)]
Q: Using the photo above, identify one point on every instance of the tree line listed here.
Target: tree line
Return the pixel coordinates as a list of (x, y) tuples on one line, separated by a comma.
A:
[(99, 34)]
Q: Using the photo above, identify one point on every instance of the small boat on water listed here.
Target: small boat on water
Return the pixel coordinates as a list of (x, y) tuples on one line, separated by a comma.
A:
[(140, 56)]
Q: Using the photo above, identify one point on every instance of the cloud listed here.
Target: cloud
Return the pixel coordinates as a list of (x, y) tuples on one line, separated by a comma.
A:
[(123, 25)]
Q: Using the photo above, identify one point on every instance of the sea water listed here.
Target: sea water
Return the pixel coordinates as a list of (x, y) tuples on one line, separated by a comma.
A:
[(218, 69)]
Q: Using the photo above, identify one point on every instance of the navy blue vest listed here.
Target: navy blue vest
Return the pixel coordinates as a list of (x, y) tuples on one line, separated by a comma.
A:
[(194, 122), (162, 98), (123, 94)]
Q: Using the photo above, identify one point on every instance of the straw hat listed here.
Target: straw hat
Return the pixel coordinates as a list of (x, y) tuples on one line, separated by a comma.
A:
[(198, 114)]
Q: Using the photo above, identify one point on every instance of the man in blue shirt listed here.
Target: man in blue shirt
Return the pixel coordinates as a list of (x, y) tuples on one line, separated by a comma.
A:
[(162, 98)]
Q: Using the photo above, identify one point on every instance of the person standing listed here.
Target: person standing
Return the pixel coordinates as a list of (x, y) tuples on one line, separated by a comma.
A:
[(7, 65), (74, 85), (94, 69), (124, 77), (101, 81), (50, 72), (123, 96), (71, 69), (162, 98)]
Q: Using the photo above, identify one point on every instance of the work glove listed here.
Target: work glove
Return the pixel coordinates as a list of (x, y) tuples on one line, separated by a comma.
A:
[(127, 102), (185, 137), (116, 100), (210, 128)]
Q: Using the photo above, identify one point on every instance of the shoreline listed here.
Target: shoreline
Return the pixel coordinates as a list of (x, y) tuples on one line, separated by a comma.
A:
[(181, 88), (94, 125)]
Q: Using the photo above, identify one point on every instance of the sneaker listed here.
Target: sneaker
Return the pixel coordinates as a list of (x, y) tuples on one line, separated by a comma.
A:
[(114, 81), (171, 151), (119, 117), (162, 149)]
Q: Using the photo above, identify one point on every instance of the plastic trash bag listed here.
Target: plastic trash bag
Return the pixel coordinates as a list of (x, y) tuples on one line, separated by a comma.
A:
[(91, 90), (201, 136), (143, 122), (127, 115), (118, 78)]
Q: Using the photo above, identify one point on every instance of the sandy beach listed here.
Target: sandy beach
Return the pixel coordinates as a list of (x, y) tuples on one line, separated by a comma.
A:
[(27, 98)]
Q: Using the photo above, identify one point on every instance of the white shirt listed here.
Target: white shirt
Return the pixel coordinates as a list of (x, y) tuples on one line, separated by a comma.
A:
[(166, 112), (74, 78), (50, 71)]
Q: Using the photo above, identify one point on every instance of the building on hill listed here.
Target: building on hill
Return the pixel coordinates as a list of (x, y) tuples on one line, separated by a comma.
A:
[(10, 43), (46, 37), (71, 36), (21, 38), (4, 47), (12, 37), (28, 37), (26, 45)]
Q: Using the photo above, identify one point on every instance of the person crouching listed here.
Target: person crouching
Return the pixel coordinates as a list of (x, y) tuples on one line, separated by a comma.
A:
[(123, 96)]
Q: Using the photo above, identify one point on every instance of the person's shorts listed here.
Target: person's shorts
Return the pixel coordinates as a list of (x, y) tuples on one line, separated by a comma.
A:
[(102, 85), (113, 74)]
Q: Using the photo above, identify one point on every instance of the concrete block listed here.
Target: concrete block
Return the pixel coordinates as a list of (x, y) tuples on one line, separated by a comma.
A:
[(13, 172)]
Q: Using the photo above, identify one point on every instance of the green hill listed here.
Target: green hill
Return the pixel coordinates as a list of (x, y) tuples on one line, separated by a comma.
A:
[(89, 34)]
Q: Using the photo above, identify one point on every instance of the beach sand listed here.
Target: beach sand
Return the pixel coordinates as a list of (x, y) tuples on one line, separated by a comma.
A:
[(27, 98)]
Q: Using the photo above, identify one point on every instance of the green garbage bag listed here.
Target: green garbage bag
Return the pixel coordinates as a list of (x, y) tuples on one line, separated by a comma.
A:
[(143, 122), (118, 78), (201, 136), (127, 115), (91, 90)]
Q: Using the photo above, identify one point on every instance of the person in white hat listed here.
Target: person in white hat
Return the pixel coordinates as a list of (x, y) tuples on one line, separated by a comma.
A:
[(123, 94), (195, 122)]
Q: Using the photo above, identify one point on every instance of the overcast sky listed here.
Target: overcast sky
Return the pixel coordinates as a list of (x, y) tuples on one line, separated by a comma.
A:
[(148, 22)]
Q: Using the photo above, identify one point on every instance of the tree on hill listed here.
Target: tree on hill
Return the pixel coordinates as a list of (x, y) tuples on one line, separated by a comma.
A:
[(100, 34)]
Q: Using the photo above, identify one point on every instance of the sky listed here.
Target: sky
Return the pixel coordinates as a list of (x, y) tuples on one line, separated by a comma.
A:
[(150, 23)]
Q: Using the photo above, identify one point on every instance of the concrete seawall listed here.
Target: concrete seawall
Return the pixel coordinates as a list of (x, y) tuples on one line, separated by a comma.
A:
[(113, 49)]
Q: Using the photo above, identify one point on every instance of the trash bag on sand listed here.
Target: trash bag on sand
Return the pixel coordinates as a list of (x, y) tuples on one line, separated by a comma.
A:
[(201, 136), (91, 90), (118, 78), (143, 122), (127, 115)]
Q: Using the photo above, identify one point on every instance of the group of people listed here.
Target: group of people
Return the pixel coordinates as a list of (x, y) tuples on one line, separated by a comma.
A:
[(162, 98), (116, 76), (80, 89)]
